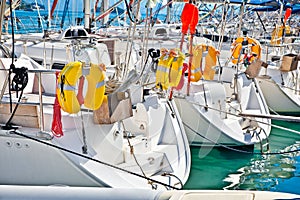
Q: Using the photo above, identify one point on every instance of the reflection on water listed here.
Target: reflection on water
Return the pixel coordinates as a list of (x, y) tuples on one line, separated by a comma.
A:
[(226, 169), (265, 172)]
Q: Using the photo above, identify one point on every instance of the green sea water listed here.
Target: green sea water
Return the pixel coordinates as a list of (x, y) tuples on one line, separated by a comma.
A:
[(221, 168)]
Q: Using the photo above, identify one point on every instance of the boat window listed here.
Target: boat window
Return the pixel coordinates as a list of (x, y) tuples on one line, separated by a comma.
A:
[(75, 33), (161, 31)]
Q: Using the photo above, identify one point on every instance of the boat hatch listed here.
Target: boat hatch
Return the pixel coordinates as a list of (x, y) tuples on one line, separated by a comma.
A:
[(74, 33)]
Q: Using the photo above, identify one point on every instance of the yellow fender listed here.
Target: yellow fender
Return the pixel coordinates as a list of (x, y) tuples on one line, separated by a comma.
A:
[(96, 88), (237, 47), (210, 62), (67, 87)]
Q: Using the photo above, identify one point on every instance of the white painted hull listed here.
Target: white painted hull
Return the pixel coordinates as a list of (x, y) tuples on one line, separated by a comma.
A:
[(221, 124), (281, 98), (160, 149)]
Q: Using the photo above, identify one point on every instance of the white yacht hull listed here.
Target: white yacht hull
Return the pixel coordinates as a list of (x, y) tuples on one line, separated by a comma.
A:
[(279, 89), (211, 113), (146, 149), (160, 149)]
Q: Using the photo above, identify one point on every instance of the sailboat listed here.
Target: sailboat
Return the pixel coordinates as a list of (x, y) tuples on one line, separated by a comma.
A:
[(281, 86), (214, 101), (280, 80), (217, 111), (141, 144), (60, 127)]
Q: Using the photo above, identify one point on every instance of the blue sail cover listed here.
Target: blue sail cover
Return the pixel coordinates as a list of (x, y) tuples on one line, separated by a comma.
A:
[(296, 8), (257, 2), (269, 5)]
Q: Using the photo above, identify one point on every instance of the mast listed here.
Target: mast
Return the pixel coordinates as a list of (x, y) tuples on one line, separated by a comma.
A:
[(168, 13), (49, 15), (105, 7), (87, 14), (66, 7), (1, 17), (241, 18)]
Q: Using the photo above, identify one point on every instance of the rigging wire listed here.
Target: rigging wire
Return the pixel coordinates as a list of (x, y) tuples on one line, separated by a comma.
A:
[(130, 41), (12, 66), (128, 8)]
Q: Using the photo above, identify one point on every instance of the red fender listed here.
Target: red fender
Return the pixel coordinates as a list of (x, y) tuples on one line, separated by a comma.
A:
[(288, 13), (194, 21)]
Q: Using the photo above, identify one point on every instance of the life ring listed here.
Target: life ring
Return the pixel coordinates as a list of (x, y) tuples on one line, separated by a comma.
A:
[(210, 61), (255, 49), (69, 100), (96, 87), (169, 68)]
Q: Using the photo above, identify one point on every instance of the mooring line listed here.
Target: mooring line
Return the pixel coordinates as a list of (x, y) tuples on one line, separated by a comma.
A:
[(90, 158)]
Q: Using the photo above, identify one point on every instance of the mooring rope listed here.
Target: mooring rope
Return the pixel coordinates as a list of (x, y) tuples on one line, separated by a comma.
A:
[(93, 159), (132, 152), (238, 150)]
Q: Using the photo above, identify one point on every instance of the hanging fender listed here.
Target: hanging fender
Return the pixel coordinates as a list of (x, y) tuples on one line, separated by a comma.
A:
[(237, 48), (189, 18), (71, 102), (277, 33)]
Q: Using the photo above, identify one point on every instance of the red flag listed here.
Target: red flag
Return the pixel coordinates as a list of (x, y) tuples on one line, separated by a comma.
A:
[(56, 122)]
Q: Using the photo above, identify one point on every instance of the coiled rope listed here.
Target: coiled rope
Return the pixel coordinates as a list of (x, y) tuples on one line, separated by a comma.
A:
[(19, 81)]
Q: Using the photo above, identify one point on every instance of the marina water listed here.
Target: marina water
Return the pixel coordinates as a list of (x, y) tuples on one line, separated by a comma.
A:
[(221, 168)]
